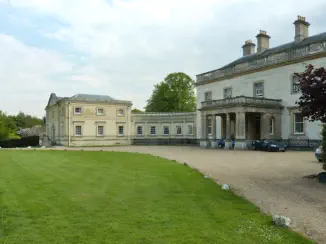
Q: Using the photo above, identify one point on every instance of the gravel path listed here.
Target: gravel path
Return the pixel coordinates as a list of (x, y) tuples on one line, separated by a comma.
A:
[(273, 181)]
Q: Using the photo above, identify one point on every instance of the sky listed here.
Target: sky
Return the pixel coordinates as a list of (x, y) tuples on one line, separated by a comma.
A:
[(122, 48)]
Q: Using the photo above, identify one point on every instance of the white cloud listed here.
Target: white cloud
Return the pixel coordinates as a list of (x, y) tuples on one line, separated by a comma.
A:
[(131, 45)]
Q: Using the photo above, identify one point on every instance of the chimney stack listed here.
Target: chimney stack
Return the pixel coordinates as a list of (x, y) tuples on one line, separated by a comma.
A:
[(262, 41), (248, 48), (301, 29)]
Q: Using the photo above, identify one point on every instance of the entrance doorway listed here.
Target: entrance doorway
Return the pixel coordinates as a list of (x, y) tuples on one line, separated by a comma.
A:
[(257, 127)]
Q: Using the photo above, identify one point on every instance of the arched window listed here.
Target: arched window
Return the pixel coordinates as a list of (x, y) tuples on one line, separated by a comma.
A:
[(271, 126)]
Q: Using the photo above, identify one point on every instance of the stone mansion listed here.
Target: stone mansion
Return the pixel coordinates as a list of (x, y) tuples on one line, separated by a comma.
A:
[(251, 98)]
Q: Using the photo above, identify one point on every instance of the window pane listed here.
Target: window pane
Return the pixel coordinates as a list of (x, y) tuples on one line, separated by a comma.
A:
[(271, 126), (120, 130), (77, 110), (166, 130), (190, 129), (139, 130), (78, 130), (208, 96), (179, 131), (100, 130), (100, 111), (153, 130)]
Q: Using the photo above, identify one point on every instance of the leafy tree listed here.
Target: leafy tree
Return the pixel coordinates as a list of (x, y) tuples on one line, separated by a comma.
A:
[(26, 121), (174, 94), (6, 126), (312, 102), (135, 110)]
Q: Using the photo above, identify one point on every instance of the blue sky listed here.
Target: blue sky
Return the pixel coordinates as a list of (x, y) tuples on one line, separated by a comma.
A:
[(122, 48)]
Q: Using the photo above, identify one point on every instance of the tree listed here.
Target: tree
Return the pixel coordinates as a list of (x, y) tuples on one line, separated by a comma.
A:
[(312, 102), (174, 94), (135, 110)]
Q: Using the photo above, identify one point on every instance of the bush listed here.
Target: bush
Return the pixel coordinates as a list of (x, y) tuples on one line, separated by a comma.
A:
[(23, 142), (323, 144)]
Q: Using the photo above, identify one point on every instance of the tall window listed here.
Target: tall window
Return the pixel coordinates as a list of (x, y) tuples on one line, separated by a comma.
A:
[(209, 126), (61, 111), (100, 130), (139, 130), (166, 130), (298, 124), (295, 83), (208, 96), (179, 130), (227, 92), (190, 130), (120, 130), (271, 126), (153, 130), (78, 130), (52, 114), (259, 89), (78, 110), (100, 111)]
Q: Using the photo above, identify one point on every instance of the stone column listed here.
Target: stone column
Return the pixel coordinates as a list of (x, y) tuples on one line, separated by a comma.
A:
[(228, 127), (213, 127), (278, 126), (203, 126), (264, 124), (240, 126)]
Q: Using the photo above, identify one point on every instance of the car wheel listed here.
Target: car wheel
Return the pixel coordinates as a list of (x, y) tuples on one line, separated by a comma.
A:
[(319, 160), (254, 147)]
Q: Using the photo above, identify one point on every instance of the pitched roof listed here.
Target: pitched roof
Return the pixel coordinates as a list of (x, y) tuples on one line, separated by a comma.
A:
[(282, 48), (91, 98)]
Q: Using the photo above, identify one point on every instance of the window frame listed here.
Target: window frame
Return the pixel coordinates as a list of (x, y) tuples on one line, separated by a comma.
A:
[(99, 114), (168, 130), (150, 130), (295, 124), (81, 130), (294, 91), (97, 130), (123, 130), (205, 96), (259, 83), (177, 132), (142, 132), (225, 92), (77, 108), (209, 126), (192, 130), (271, 126), (122, 114)]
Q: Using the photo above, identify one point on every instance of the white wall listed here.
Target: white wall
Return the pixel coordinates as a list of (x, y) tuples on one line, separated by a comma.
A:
[(277, 85)]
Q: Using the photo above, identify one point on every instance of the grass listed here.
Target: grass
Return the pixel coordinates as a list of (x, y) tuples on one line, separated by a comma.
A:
[(111, 197)]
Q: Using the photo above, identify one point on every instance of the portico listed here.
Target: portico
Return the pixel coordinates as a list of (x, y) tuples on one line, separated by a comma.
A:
[(244, 118)]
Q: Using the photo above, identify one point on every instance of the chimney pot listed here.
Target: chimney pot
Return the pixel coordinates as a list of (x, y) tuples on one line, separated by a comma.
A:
[(262, 41), (248, 48), (301, 29)]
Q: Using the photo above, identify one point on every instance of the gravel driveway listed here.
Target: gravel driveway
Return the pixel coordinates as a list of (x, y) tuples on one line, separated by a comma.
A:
[(273, 181)]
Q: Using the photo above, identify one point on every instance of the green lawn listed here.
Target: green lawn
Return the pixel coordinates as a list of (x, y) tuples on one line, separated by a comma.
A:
[(110, 197)]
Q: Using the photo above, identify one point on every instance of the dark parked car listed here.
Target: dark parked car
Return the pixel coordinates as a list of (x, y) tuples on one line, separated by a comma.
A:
[(318, 153), (270, 146)]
